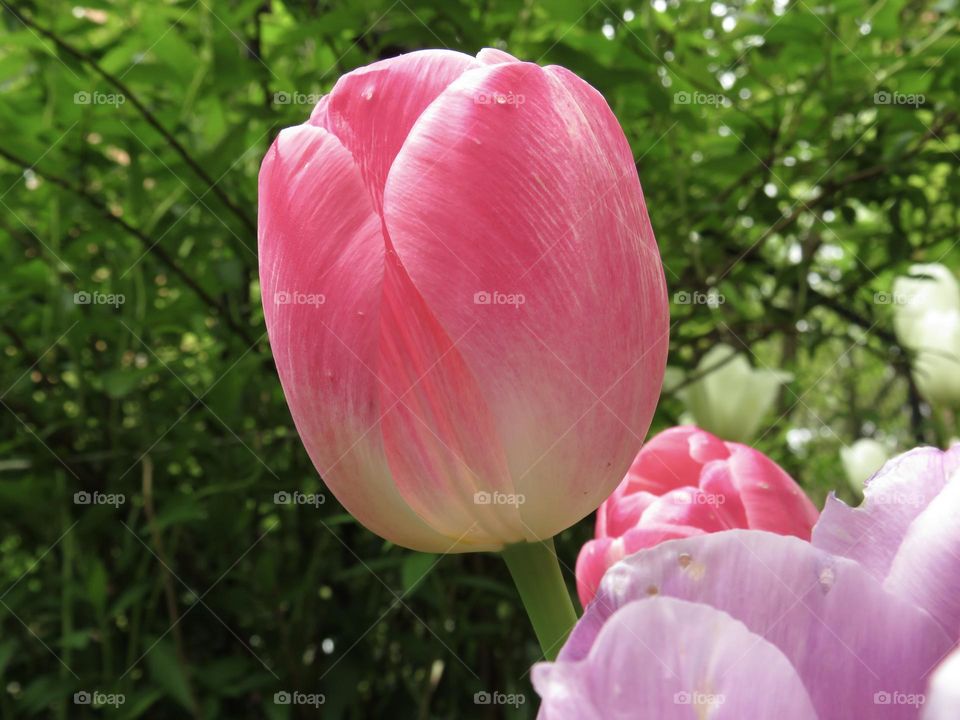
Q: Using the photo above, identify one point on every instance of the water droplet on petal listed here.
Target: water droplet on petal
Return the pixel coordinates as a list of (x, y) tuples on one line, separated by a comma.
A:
[(685, 559)]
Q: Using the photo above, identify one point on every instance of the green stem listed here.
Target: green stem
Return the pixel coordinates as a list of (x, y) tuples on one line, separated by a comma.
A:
[(536, 572)]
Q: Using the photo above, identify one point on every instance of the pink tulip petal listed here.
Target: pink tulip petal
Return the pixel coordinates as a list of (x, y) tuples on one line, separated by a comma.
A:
[(372, 109), (620, 514), (849, 639), (716, 481), (320, 240), (926, 568), (674, 458), (518, 198), (686, 506), (493, 56), (705, 447), (666, 659), (440, 438), (872, 533), (771, 499), (591, 565)]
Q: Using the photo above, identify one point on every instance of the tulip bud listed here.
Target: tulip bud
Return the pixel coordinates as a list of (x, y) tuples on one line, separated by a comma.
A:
[(927, 322), (861, 460), (464, 297), (732, 398), (686, 482)]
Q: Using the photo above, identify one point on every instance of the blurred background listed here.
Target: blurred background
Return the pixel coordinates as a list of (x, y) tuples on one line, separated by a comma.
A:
[(796, 158)]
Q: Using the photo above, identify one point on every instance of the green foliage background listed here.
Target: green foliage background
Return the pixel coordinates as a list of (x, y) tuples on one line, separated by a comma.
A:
[(798, 199)]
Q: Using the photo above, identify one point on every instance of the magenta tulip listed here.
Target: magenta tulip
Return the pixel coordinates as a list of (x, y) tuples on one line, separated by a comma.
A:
[(687, 482), (464, 297)]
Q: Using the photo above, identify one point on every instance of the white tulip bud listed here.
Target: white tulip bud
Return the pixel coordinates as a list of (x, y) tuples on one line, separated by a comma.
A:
[(927, 322), (862, 459), (732, 400)]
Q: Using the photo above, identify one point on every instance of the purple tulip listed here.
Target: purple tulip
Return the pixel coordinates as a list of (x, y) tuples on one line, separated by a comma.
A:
[(906, 533), (751, 624)]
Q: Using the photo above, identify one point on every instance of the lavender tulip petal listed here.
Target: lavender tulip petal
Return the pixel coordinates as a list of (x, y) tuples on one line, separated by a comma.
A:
[(692, 661), (848, 638), (872, 533), (926, 568)]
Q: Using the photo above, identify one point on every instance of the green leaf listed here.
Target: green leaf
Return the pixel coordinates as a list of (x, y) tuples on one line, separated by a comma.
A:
[(167, 673)]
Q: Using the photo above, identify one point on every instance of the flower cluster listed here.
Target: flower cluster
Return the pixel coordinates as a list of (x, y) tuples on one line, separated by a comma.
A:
[(754, 624)]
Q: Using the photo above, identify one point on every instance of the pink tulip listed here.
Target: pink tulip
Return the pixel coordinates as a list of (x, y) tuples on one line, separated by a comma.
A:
[(464, 297), (687, 482)]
